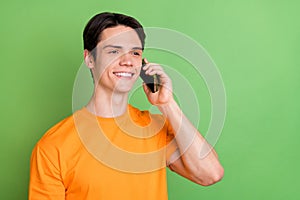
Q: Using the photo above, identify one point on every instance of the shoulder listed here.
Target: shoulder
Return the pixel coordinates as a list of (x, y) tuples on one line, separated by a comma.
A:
[(59, 131), (62, 135)]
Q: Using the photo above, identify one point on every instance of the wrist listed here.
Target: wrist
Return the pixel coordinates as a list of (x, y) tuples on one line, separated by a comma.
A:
[(169, 108)]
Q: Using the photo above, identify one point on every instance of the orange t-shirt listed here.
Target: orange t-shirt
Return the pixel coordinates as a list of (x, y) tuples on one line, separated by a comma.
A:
[(89, 157)]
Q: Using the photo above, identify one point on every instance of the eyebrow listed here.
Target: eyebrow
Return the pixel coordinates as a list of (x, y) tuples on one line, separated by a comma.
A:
[(120, 47), (138, 48)]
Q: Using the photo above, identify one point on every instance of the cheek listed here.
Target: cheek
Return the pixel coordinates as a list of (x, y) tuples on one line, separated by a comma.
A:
[(138, 69), (107, 62), (103, 62), (138, 62), (99, 70)]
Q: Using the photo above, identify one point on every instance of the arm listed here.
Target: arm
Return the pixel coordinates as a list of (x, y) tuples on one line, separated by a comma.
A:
[(196, 159), (45, 179)]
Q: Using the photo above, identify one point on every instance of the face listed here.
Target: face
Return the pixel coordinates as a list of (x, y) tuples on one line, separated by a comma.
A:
[(118, 59)]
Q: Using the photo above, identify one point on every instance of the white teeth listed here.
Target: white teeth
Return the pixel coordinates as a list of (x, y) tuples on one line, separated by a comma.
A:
[(123, 74)]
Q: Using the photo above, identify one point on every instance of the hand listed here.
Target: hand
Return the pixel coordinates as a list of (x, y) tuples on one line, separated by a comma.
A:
[(165, 93)]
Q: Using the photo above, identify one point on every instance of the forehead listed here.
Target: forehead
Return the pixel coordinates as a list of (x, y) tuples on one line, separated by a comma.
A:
[(120, 35)]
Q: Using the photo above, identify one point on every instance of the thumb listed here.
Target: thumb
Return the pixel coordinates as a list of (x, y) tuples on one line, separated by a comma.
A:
[(146, 89)]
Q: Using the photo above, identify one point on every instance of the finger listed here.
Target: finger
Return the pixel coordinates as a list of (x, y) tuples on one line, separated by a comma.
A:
[(153, 69), (161, 73), (146, 61), (151, 65)]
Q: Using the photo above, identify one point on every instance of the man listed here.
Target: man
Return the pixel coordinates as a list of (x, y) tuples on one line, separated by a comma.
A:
[(109, 149)]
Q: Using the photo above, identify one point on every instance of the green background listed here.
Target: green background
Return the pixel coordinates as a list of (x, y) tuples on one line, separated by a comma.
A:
[(255, 45)]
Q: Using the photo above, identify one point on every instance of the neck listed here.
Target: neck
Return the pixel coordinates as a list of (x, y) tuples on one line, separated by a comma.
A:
[(107, 103)]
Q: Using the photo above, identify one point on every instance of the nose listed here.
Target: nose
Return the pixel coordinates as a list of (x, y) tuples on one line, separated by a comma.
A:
[(126, 60)]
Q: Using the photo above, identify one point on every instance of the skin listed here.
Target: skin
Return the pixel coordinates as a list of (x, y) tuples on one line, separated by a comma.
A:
[(115, 70)]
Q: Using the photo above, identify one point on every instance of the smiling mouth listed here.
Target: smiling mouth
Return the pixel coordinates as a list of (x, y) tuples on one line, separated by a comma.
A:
[(123, 74)]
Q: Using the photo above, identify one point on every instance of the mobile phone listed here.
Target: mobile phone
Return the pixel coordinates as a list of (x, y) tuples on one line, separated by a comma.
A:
[(151, 81)]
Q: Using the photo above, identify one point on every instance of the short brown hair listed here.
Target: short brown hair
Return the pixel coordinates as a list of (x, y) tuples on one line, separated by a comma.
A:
[(101, 21)]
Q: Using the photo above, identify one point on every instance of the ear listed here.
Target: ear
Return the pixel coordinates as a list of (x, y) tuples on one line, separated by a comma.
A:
[(88, 59)]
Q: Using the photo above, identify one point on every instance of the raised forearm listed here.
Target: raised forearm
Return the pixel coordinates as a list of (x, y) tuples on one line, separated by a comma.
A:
[(199, 159)]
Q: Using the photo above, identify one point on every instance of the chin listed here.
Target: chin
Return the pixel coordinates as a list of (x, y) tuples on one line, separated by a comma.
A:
[(122, 90)]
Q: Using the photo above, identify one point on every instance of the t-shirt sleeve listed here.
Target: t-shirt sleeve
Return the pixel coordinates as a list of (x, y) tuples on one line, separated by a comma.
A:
[(45, 178), (172, 148)]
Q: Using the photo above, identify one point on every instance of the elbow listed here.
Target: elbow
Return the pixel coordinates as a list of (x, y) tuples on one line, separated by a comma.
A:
[(210, 178), (214, 178)]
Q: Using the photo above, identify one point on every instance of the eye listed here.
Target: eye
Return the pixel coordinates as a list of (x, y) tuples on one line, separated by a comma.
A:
[(113, 51), (136, 53)]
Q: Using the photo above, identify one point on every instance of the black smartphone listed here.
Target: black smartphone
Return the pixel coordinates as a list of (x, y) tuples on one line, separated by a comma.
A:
[(151, 81)]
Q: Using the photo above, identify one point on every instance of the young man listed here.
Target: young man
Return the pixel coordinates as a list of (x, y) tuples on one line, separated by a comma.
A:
[(109, 149)]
